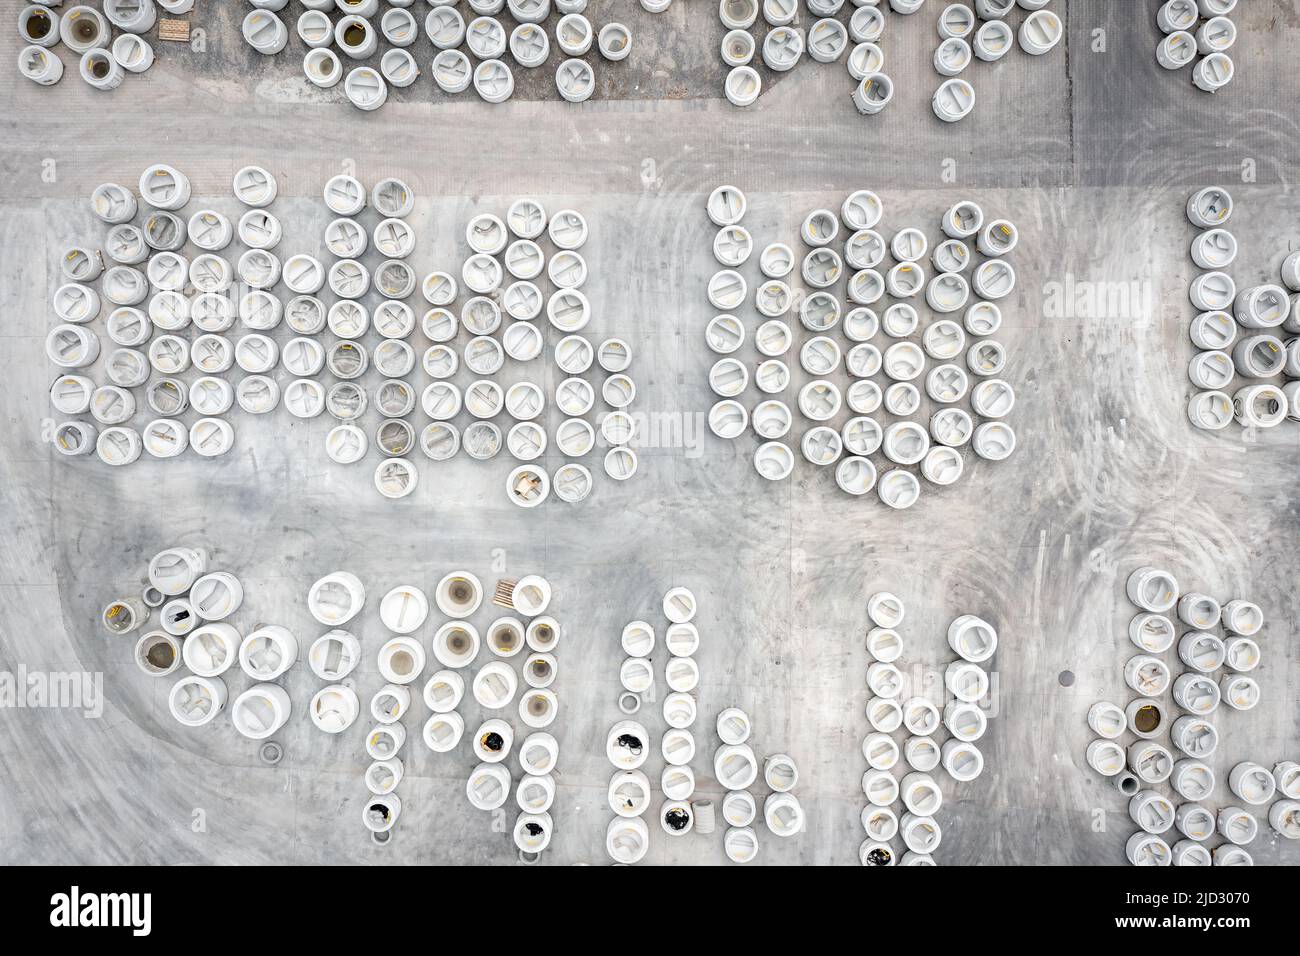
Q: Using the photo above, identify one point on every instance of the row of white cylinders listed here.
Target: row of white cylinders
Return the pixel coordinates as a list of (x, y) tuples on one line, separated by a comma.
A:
[(1263, 311)]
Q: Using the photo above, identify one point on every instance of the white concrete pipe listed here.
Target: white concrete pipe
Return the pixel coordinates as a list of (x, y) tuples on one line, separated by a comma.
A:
[(336, 598), (458, 594), (1252, 783), (333, 710), (538, 707), (953, 100), (739, 808), (1152, 762), (783, 814), (1108, 719), (627, 840), (334, 655), (382, 776), (265, 32), (217, 595), (680, 710), (884, 714), (1153, 633), (380, 813), (132, 53), (876, 853), (967, 682), (131, 16), (1210, 411), (365, 88), (734, 728), (84, 28), (535, 794), (493, 740), (1176, 50), (38, 25), (195, 701), (543, 634), (1213, 72), (267, 652), (1106, 757), (1259, 406), (1199, 611), (682, 640), (1148, 676), (1147, 849), (879, 823), (260, 711), (539, 754), (920, 716), (884, 644), (963, 761), (119, 446), (965, 720), (629, 793), (1197, 693), (885, 609), (1194, 736), (921, 834), (873, 93), (1176, 15), (993, 40), (1192, 779), (74, 438), (676, 818), (1146, 717), (627, 745), (880, 787), (1040, 32), (532, 832), (880, 751), (1202, 651), (456, 644), (1192, 820), (780, 773), (157, 653), (921, 795), (972, 638), (1237, 825), (735, 766), (124, 615), (175, 570), (1152, 589), (323, 67), (1241, 654), (1243, 618), (442, 731), (1284, 818), (389, 703), (404, 609), (1209, 207), (444, 691), (488, 786), (401, 659), (1286, 774)]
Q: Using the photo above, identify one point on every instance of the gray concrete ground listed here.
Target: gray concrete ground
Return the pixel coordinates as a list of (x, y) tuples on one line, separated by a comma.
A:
[(1091, 153)]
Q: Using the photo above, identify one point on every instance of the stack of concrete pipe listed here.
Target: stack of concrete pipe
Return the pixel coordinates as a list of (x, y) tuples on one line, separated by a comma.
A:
[(968, 362), (1180, 683), (1247, 369)]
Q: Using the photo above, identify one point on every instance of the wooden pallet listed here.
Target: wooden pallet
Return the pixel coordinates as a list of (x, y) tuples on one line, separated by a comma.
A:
[(177, 30)]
